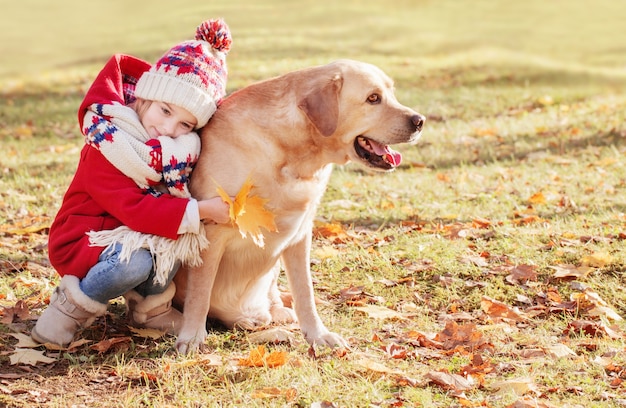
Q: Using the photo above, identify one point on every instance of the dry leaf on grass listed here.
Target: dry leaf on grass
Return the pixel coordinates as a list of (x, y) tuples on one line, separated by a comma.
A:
[(18, 312), (376, 367), (104, 345), (274, 392), (559, 350), (147, 333), (24, 341), (203, 360), (522, 274), (379, 312), (591, 301), (462, 337), (452, 382), (272, 335), (29, 356), (597, 260), (518, 386), (497, 309), (571, 271), (72, 347), (259, 357), (593, 329)]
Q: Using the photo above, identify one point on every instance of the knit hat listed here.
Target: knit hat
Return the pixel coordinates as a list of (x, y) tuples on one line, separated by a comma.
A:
[(192, 74)]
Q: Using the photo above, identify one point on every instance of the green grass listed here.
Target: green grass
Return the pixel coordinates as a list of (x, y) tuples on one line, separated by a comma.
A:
[(522, 98)]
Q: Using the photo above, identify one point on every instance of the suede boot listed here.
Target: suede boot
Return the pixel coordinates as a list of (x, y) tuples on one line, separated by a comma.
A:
[(69, 311), (154, 311)]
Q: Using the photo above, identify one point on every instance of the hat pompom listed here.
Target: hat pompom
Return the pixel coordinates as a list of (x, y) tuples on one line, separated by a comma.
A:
[(216, 33)]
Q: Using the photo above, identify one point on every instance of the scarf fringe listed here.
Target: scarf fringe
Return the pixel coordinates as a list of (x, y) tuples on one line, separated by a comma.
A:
[(165, 251), (117, 132)]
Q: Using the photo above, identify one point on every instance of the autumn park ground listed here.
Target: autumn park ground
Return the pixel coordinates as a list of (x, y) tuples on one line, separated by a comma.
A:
[(487, 271)]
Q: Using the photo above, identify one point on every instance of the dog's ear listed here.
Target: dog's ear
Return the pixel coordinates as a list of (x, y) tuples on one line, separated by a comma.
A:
[(321, 105)]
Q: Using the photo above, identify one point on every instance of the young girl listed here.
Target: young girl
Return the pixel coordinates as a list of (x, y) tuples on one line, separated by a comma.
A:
[(127, 221)]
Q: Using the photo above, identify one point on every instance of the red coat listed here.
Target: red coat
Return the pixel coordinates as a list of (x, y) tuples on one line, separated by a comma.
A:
[(100, 197)]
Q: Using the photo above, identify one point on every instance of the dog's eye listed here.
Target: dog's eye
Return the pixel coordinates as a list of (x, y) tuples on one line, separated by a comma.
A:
[(373, 98)]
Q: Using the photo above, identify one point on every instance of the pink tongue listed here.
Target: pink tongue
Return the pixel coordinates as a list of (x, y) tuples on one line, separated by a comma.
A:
[(391, 156)]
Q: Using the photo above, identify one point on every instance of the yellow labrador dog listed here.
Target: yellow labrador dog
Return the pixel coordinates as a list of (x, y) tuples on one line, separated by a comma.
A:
[(285, 133)]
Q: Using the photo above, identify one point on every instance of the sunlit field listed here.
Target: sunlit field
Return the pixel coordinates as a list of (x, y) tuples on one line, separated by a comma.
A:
[(487, 271)]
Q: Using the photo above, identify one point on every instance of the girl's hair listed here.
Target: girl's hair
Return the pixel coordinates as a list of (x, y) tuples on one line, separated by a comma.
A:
[(140, 106)]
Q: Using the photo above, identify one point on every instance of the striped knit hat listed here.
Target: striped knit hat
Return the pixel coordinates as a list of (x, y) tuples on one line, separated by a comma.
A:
[(192, 74)]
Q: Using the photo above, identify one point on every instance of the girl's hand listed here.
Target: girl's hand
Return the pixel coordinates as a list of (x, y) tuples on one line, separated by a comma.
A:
[(214, 209)]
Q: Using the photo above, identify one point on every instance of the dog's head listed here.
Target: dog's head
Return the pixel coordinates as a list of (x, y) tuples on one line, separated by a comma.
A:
[(353, 105)]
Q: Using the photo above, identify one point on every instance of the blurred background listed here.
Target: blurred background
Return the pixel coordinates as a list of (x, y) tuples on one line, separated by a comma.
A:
[(43, 40)]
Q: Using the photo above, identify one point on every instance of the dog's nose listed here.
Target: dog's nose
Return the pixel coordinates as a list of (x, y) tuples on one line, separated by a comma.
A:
[(418, 120)]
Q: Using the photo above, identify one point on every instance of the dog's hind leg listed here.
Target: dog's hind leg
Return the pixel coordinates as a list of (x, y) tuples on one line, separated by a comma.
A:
[(280, 313)]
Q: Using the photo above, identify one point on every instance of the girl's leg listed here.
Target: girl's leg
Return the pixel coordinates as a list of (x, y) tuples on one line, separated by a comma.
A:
[(150, 287), (111, 277)]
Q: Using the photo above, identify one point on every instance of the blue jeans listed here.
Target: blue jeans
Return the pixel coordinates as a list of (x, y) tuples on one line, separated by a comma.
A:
[(110, 277)]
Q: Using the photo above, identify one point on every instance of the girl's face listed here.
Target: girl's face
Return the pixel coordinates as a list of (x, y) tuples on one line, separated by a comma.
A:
[(164, 119)]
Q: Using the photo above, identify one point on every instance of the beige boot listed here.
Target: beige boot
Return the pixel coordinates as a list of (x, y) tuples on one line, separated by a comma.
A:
[(154, 311), (69, 310)]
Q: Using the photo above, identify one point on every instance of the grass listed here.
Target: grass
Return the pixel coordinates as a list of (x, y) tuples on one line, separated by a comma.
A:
[(521, 165)]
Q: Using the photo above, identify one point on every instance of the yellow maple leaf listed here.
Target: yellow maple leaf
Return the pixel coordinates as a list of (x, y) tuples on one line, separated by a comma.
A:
[(597, 259), (260, 358), (537, 198), (248, 212)]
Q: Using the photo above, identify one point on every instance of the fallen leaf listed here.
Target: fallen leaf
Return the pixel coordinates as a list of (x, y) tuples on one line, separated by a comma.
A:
[(149, 377), (332, 230), (453, 382), (559, 350), (104, 345), (29, 356), (537, 198), (24, 341), (396, 351), (518, 386), (571, 271), (273, 392), (474, 260), (376, 367), (260, 358), (594, 305), (465, 336), (597, 260), (498, 309), (326, 252), (24, 131), (272, 335), (522, 274), (203, 360), (591, 328), (147, 333), (73, 345), (380, 312)]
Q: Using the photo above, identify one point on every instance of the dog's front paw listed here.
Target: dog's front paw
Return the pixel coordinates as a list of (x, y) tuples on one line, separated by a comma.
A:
[(187, 343), (326, 338)]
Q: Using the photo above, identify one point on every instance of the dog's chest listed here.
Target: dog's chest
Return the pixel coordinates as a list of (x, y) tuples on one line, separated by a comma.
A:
[(294, 201)]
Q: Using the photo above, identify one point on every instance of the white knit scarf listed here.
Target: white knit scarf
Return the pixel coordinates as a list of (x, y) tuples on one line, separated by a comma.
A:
[(116, 131)]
